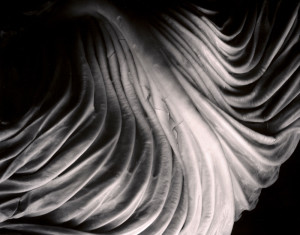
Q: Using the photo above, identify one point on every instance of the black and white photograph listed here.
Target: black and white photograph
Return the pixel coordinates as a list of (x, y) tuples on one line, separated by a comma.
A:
[(151, 117)]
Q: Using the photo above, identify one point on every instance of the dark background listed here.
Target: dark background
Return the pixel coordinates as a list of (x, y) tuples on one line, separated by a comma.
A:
[(278, 209)]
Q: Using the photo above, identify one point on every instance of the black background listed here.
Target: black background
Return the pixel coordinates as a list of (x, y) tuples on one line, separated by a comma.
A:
[(278, 209)]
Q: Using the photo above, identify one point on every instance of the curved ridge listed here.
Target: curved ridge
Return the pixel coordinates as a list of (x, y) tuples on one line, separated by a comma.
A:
[(170, 124)]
